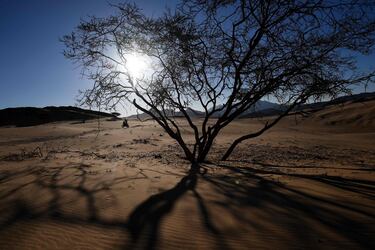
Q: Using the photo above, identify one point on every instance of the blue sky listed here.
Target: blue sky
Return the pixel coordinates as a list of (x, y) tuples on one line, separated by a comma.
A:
[(33, 71)]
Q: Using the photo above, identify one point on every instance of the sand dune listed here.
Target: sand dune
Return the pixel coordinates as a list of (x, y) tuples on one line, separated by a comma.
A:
[(303, 185), (30, 116), (357, 114)]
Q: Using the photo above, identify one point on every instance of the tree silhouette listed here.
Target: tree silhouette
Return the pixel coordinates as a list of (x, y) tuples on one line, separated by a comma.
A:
[(223, 57)]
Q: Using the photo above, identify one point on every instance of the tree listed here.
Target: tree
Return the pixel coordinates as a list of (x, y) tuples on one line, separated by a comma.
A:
[(223, 57)]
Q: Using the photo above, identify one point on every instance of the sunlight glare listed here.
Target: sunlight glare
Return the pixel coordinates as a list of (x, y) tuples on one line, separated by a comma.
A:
[(137, 65)]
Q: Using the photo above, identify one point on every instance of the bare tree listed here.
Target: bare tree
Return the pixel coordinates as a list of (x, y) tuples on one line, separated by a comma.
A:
[(223, 57)]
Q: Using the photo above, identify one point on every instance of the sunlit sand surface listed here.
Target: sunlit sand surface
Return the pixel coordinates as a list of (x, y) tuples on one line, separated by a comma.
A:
[(308, 183)]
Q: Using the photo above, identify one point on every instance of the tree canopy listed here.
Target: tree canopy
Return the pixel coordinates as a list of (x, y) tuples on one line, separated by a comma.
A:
[(223, 56)]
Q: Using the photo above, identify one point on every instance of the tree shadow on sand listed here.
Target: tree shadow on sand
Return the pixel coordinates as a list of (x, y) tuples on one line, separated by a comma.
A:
[(143, 224), (146, 218), (250, 187)]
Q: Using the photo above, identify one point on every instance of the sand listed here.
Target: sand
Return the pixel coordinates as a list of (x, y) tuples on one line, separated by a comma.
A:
[(309, 183)]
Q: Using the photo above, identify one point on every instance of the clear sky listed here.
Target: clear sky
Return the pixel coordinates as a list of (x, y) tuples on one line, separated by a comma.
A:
[(33, 71)]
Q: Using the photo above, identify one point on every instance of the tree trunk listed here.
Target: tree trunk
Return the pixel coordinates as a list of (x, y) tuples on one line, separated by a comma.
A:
[(204, 151)]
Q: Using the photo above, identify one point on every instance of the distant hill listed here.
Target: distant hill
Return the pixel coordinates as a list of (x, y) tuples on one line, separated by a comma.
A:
[(30, 116), (265, 108), (271, 109), (362, 97), (349, 114), (191, 112), (260, 108), (353, 112)]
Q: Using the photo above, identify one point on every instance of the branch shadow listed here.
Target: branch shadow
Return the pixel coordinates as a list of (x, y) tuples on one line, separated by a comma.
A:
[(255, 190), (143, 223)]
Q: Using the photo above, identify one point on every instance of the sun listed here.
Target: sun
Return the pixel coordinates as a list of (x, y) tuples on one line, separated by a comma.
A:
[(137, 65)]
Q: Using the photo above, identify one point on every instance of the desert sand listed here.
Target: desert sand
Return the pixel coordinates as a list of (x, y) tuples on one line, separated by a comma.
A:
[(308, 183)]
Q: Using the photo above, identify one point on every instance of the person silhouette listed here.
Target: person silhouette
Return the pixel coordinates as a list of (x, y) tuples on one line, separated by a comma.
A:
[(125, 123)]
